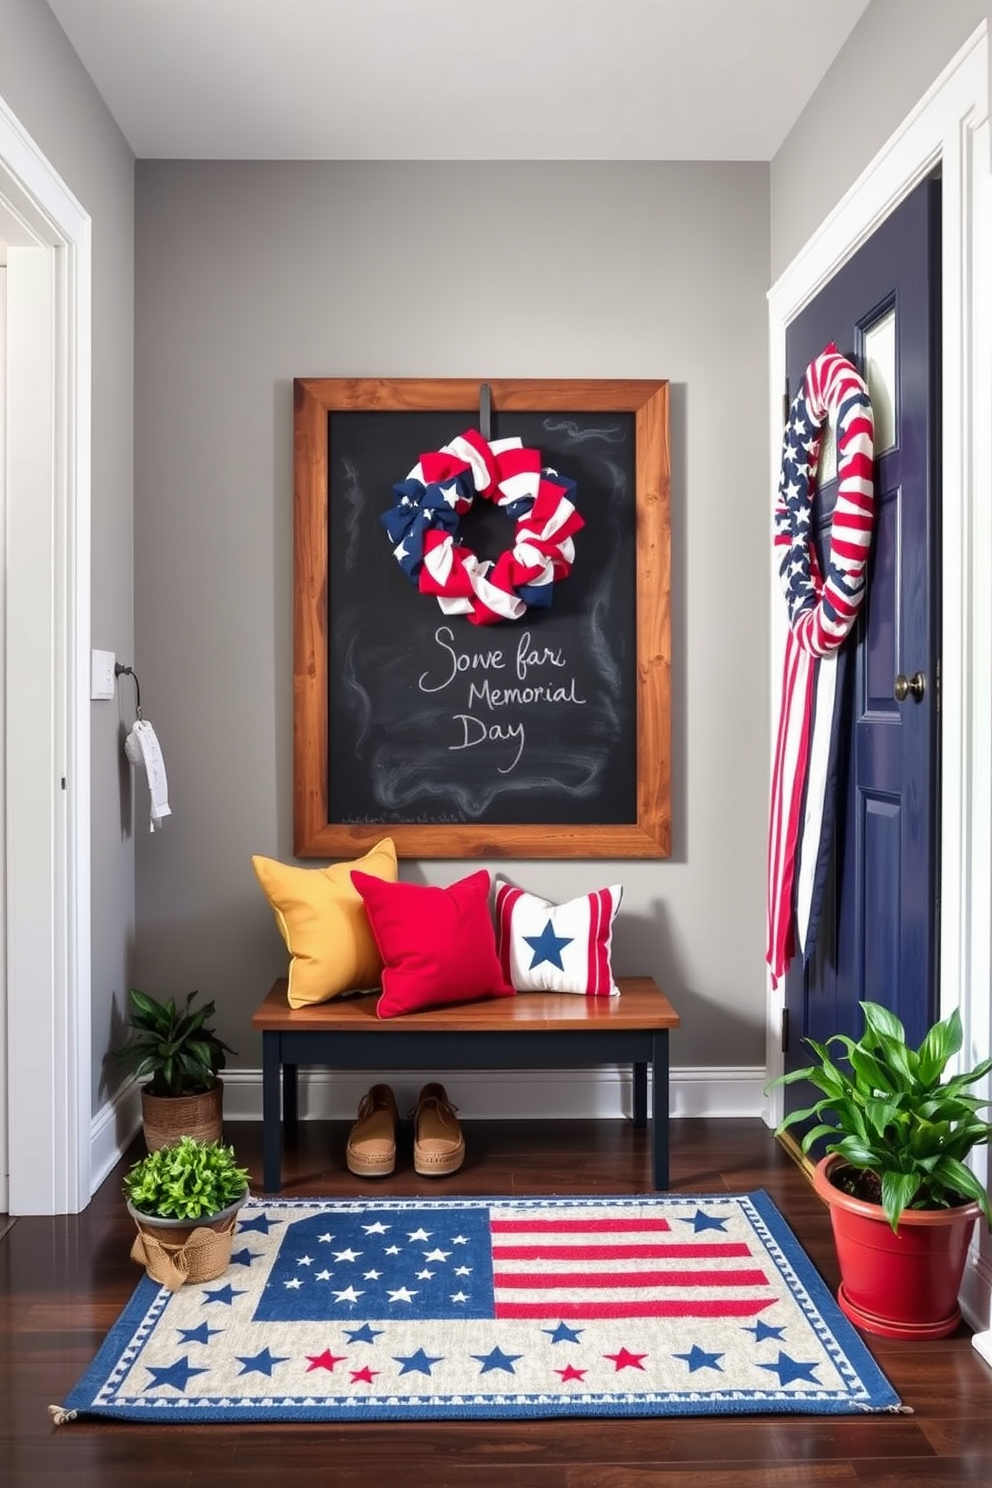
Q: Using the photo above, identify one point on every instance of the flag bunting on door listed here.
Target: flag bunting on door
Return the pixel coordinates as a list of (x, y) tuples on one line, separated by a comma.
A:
[(822, 610)]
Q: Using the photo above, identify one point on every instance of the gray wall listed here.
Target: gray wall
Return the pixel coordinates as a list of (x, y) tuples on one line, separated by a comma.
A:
[(897, 49), (251, 274), (45, 86)]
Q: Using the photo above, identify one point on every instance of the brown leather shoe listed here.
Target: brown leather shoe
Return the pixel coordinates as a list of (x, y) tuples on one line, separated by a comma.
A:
[(438, 1144), (371, 1150)]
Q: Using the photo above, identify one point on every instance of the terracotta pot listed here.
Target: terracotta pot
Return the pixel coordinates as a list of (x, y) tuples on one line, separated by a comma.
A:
[(176, 1251), (166, 1118), (900, 1284)]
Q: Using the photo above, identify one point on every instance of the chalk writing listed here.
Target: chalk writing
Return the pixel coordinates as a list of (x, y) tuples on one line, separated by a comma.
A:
[(455, 664)]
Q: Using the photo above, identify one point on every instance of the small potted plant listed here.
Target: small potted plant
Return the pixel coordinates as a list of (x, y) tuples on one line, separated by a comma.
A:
[(903, 1203), (184, 1199), (174, 1046)]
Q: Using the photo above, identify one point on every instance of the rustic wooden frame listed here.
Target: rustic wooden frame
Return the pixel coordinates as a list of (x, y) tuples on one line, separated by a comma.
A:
[(316, 837)]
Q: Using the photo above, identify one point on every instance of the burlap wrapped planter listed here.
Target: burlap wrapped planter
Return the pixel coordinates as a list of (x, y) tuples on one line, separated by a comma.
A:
[(175, 1251), (166, 1118)]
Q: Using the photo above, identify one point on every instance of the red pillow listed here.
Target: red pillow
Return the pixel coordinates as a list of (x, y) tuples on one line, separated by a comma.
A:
[(438, 946)]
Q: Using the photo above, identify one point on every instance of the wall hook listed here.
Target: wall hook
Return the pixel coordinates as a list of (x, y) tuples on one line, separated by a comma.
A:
[(125, 671), (485, 411)]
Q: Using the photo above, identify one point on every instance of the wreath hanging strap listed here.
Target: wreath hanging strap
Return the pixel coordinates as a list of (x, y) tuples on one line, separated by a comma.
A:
[(423, 526), (822, 611)]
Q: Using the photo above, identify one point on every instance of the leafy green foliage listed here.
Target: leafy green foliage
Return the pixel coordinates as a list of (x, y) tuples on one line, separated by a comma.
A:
[(173, 1044), (887, 1107), (187, 1180)]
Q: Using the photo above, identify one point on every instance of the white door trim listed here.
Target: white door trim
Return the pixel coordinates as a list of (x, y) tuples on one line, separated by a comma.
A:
[(4, 1147), (48, 1075)]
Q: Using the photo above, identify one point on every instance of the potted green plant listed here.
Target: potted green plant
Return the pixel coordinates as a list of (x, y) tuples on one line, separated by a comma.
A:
[(179, 1055), (903, 1203), (184, 1199)]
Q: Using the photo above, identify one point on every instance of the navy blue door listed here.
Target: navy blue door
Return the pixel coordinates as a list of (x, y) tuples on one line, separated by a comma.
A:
[(877, 938)]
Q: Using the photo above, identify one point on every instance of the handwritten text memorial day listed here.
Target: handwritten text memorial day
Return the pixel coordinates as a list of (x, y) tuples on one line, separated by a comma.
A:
[(496, 688)]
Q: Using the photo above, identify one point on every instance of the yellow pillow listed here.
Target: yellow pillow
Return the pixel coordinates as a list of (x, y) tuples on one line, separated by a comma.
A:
[(322, 918)]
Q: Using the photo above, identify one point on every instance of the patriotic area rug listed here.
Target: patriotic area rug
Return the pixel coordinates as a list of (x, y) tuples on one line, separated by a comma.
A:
[(434, 1309)]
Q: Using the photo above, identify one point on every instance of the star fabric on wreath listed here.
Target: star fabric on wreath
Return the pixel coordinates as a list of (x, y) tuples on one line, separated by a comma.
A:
[(427, 508)]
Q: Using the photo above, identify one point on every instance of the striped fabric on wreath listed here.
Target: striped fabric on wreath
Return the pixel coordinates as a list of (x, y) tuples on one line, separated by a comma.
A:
[(423, 526), (822, 611)]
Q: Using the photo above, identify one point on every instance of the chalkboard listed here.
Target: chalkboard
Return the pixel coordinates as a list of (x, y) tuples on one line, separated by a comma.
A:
[(543, 737)]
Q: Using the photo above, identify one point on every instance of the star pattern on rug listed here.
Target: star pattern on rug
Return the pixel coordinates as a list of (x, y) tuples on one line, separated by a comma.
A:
[(177, 1374), (763, 1331), (496, 1359), (419, 1362), (701, 1221), (698, 1358), (789, 1369), (223, 1295), (261, 1223), (326, 1360), (202, 1334), (626, 1360), (263, 1362), (244, 1257), (563, 1333), (365, 1334)]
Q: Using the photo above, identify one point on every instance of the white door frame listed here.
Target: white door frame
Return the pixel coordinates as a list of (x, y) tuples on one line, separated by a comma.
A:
[(48, 1074), (949, 128)]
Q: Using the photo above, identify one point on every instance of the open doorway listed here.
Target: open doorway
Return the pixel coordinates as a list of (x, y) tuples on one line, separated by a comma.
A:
[(46, 595)]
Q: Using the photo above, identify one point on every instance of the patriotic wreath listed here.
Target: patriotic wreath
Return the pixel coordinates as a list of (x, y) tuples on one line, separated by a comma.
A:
[(427, 509), (823, 610)]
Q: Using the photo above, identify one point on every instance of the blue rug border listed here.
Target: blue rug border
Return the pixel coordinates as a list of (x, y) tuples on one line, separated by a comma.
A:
[(824, 1315)]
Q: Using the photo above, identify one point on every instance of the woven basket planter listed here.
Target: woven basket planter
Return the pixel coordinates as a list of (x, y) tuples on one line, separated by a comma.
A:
[(176, 1251), (166, 1118)]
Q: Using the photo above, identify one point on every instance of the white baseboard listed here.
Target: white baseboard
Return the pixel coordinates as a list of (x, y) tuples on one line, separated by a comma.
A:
[(975, 1296), (602, 1093), (112, 1130)]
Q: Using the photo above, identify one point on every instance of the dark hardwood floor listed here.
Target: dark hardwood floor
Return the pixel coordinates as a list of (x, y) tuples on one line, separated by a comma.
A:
[(63, 1282)]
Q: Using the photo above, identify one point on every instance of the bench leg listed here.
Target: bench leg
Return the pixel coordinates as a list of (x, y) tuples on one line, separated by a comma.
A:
[(659, 1110), (271, 1115), (290, 1099), (640, 1094)]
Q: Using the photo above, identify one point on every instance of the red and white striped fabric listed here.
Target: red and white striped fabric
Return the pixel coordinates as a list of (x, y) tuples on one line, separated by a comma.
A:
[(822, 612), (569, 1266), (442, 487), (546, 947)]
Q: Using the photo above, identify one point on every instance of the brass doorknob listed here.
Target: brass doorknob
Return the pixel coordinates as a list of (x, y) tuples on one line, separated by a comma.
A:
[(914, 687)]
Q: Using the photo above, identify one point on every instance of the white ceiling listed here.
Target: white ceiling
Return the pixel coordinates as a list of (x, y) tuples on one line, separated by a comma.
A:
[(457, 79)]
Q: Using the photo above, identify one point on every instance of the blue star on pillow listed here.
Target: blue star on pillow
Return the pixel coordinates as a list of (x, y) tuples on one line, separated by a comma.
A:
[(548, 946)]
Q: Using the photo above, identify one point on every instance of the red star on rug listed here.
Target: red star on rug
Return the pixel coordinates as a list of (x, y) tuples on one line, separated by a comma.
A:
[(626, 1360), (363, 1376), (326, 1360), (571, 1373)]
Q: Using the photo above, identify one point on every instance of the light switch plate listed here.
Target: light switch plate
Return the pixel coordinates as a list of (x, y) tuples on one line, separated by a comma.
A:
[(102, 680)]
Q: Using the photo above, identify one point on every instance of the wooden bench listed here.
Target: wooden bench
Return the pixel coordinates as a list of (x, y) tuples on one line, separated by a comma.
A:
[(534, 1030)]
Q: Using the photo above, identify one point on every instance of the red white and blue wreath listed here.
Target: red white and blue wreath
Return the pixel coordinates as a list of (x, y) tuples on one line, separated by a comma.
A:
[(823, 608), (442, 487)]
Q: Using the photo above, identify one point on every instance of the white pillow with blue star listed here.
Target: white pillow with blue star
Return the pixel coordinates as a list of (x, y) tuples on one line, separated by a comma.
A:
[(546, 947)]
